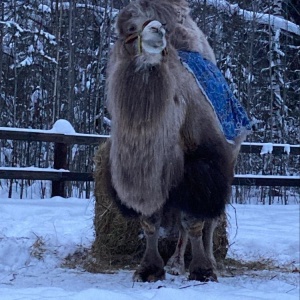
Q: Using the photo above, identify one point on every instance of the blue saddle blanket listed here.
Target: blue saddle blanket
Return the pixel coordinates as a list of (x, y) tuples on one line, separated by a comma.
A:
[(232, 116)]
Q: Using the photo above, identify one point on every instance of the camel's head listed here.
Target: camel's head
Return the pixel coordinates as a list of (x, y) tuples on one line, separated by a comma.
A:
[(149, 37), (144, 24)]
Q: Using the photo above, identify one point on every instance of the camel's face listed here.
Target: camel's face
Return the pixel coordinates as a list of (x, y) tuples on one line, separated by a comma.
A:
[(139, 26), (153, 38)]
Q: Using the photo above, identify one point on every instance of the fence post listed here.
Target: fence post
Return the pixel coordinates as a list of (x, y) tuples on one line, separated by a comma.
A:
[(60, 162)]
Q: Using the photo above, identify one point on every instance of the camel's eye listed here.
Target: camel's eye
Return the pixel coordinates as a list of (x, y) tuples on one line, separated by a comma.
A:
[(132, 28), (154, 29)]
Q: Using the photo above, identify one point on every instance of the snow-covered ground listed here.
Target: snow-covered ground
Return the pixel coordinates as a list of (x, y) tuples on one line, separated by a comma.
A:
[(36, 236)]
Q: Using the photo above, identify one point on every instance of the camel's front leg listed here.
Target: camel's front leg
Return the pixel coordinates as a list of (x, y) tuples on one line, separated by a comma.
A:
[(208, 235), (152, 265), (201, 267)]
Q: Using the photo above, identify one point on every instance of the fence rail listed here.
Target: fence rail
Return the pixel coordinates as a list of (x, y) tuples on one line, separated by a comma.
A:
[(93, 139), (64, 175), (35, 135), (61, 141)]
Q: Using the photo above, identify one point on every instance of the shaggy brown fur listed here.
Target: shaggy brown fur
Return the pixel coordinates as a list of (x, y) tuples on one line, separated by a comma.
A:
[(145, 135), (166, 143)]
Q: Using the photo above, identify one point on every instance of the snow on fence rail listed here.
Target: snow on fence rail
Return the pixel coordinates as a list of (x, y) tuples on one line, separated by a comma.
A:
[(59, 175)]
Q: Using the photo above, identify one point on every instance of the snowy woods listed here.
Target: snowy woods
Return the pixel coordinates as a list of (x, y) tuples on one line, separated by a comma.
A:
[(52, 66)]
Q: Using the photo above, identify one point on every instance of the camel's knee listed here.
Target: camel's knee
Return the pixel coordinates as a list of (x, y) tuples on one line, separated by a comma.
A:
[(148, 227), (193, 226), (151, 224)]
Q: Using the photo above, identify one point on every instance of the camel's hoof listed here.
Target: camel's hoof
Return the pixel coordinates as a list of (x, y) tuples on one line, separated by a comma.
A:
[(203, 275), (175, 268), (149, 274)]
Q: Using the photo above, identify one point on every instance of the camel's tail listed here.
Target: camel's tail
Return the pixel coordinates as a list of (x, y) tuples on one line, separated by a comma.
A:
[(236, 144)]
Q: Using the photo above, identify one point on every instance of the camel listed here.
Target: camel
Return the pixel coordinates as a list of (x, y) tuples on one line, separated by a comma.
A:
[(167, 150)]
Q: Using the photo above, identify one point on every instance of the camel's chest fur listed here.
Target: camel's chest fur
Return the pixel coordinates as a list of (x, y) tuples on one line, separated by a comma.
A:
[(146, 156)]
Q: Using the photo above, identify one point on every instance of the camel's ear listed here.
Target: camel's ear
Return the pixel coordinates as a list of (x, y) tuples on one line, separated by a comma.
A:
[(122, 23)]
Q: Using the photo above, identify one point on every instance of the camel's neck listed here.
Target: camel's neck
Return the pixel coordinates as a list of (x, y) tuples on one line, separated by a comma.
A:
[(141, 94)]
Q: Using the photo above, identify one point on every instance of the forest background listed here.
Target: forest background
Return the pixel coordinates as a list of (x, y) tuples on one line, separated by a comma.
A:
[(53, 57)]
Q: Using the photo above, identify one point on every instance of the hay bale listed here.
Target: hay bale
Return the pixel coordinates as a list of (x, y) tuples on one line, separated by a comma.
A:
[(118, 242), (220, 239), (116, 238)]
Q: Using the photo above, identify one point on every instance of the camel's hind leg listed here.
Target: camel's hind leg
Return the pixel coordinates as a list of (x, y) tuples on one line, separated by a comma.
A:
[(201, 267), (175, 264), (152, 265)]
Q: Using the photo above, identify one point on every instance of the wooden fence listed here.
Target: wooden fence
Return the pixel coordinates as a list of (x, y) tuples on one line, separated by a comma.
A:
[(59, 174)]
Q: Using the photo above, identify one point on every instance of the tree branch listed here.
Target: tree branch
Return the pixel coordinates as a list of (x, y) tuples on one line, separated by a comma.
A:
[(274, 21)]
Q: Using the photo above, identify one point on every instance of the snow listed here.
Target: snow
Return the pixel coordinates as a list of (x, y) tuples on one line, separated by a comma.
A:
[(38, 95), (266, 148), (36, 236), (66, 6), (287, 148), (44, 8), (267, 232), (48, 36), (26, 62), (30, 49), (296, 177), (11, 24), (35, 169), (262, 18), (228, 74), (63, 126), (107, 121)]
